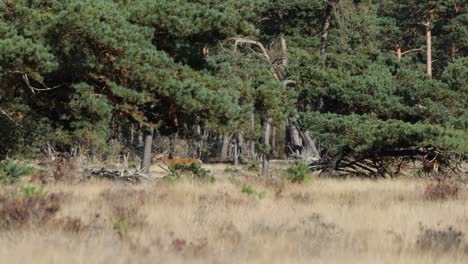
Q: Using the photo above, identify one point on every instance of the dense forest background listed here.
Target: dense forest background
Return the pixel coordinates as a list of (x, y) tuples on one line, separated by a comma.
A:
[(351, 84)]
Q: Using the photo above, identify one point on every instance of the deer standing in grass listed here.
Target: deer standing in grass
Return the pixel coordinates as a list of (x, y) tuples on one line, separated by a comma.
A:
[(430, 166), (170, 162)]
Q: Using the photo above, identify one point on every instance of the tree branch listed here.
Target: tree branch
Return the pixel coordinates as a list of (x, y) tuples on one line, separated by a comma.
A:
[(411, 50), (8, 116), (288, 82), (34, 89), (254, 42)]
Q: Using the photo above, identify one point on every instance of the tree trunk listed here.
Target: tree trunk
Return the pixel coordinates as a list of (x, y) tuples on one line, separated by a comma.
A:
[(300, 144), (240, 147), (326, 26), (398, 53), (172, 145), (284, 49), (252, 142), (273, 142), (236, 153), (266, 143), (429, 48), (453, 48), (146, 160), (225, 146)]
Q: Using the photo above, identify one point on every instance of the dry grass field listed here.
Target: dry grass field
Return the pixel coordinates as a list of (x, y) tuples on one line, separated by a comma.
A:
[(236, 219)]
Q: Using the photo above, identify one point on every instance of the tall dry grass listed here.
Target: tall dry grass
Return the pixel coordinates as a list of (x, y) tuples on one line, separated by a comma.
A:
[(325, 221)]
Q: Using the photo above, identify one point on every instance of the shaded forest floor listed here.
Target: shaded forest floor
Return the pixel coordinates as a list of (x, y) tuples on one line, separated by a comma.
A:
[(236, 219)]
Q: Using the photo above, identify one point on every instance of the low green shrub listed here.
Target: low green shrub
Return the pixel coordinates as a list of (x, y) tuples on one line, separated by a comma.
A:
[(252, 167), (195, 171), (10, 171), (298, 173), (249, 190)]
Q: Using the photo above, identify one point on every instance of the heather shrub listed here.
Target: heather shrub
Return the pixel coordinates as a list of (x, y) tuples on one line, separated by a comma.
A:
[(441, 188), (439, 239), (28, 208)]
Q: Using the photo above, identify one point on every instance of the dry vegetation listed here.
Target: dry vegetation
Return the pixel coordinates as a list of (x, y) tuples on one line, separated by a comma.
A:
[(237, 219)]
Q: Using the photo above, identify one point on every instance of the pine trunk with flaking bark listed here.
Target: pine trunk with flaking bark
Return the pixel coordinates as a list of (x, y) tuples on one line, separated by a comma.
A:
[(326, 26), (146, 160), (266, 143)]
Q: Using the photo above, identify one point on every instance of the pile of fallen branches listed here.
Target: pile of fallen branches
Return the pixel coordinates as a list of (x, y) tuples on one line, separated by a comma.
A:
[(388, 163), (75, 169), (133, 176)]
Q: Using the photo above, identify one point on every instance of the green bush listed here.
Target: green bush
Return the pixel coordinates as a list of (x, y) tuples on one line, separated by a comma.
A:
[(10, 171), (231, 170), (29, 191), (252, 167), (298, 173), (177, 171), (249, 190)]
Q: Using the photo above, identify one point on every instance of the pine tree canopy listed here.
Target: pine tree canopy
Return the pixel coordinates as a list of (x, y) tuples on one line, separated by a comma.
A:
[(354, 73)]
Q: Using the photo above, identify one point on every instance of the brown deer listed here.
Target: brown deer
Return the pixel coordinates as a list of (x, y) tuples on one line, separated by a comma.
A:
[(430, 166), (185, 161)]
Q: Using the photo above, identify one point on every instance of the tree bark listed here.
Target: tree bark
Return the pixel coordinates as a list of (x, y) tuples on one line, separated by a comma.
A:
[(266, 143), (236, 153), (225, 146), (398, 53), (146, 160), (252, 142), (429, 47), (284, 48), (326, 26), (453, 48), (273, 142), (240, 147)]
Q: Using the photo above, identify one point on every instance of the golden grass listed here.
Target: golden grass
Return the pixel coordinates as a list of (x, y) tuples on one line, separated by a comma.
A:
[(325, 221)]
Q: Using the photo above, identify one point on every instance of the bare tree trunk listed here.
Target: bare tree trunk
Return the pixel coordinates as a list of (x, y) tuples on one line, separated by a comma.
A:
[(50, 151), (139, 139), (236, 153), (240, 147), (132, 135), (172, 144), (300, 144), (284, 49), (225, 146), (326, 26), (273, 142), (146, 161), (429, 48), (266, 143), (205, 136), (252, 142)]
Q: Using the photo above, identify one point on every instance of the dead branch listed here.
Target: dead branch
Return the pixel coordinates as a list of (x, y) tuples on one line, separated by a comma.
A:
[(35, 89), (411, 50), (253, 42), (3, 112), (116, 175)]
